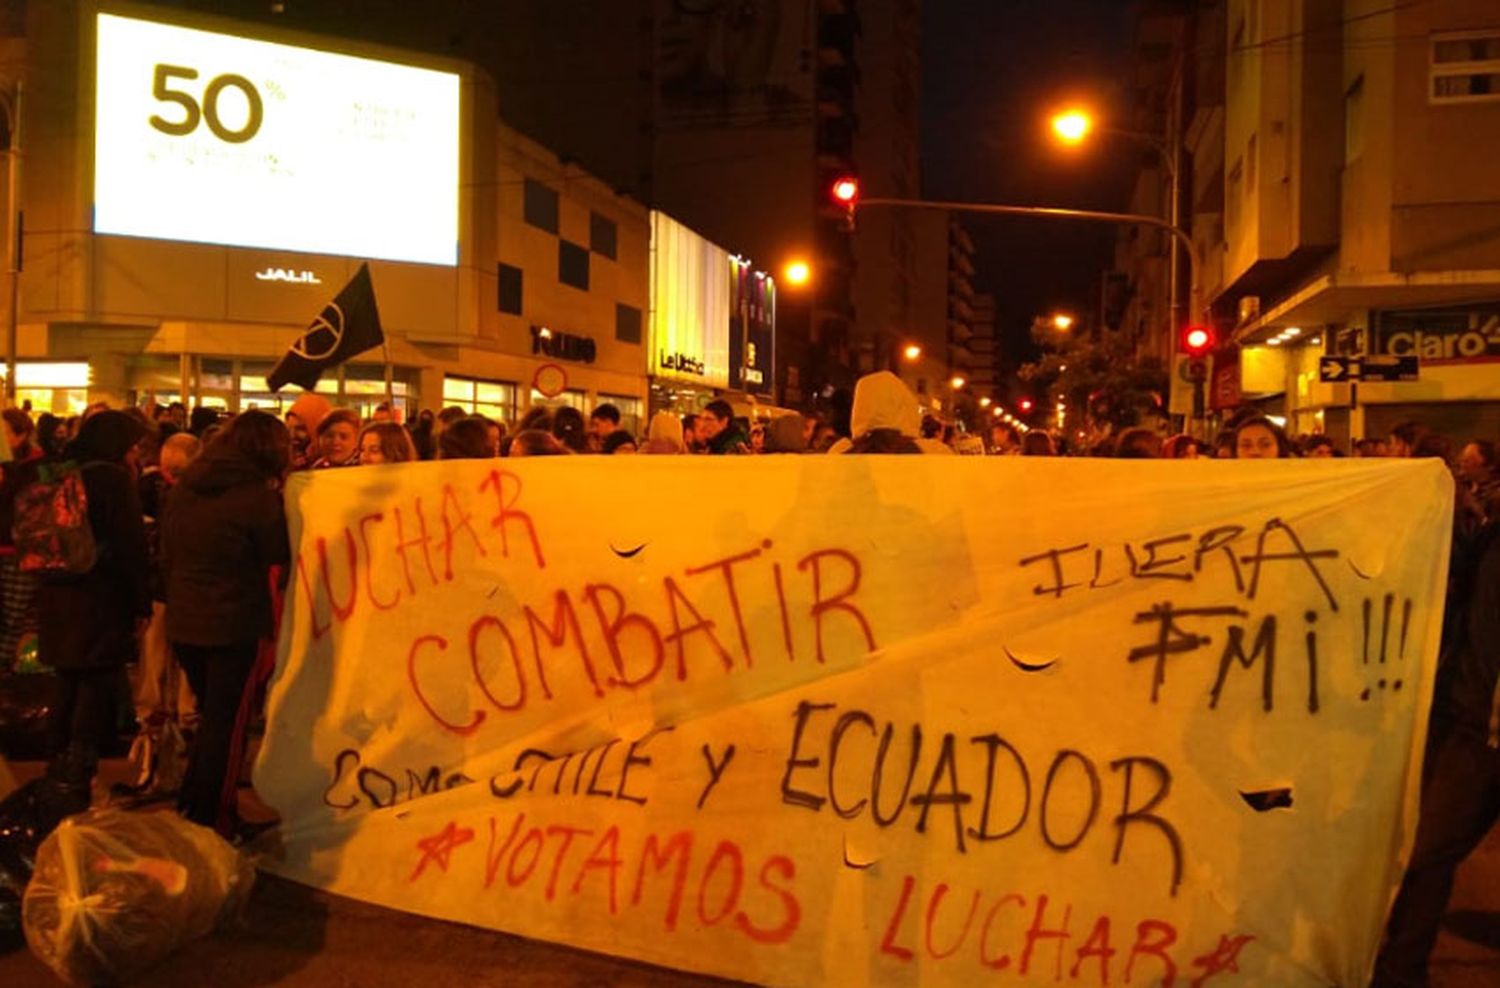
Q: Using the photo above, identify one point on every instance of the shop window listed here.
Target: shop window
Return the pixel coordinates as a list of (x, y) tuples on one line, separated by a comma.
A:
[(627, 323), (1465, 68), (572, 265), (541, 206), (358, 387), (570, 398), (603, 235), (510, 289), (61, 388), (493, 399)]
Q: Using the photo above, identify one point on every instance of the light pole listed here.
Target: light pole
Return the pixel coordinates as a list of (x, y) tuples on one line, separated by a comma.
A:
[(1179, 235), (11, 103), (1074, 126)]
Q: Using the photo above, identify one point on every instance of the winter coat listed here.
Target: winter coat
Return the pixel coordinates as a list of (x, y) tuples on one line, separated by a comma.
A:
[(87, 621), (17, 475), (222, 530), (1474, 697), (883, 401)]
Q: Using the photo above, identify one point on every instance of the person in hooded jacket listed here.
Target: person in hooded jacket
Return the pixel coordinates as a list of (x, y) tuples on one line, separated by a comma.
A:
[(223, 530), (885, 418), (87, 622)]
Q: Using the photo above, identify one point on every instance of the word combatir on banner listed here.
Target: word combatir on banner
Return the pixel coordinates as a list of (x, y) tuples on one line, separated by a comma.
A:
[(853, 720)]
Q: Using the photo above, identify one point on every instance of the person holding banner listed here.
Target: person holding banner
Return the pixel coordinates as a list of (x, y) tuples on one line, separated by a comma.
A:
[(223, 530), (1461, 800)]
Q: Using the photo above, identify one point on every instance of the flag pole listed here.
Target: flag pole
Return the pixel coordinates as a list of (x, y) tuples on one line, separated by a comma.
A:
[(390, 378)]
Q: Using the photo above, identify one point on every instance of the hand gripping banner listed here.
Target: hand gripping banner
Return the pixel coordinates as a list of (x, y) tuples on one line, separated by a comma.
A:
[(884, 720)]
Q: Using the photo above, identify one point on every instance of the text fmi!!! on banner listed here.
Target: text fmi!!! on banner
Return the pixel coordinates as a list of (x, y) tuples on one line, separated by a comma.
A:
[(848, 720)]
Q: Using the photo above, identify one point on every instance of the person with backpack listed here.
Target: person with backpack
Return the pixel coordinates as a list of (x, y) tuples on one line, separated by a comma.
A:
[(79, 528), (17, 589), (223, 530)]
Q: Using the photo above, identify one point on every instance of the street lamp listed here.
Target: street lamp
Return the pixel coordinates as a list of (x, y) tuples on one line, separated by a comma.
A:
[(797, 272), (912, 351), (957, 383), (1072, 126), (985, 402), (10, 104), (1062, 322)]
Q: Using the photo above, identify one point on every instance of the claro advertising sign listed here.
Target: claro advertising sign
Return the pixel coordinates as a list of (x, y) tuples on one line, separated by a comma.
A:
[(690, 305), (212, 138), (1465, 334)]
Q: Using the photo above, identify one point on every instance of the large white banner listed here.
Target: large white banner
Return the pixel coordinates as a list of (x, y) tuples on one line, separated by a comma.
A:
[(214, 138), (847, 720)]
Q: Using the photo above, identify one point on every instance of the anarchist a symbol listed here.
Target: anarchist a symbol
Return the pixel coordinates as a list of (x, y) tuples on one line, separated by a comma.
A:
[(323, 336)]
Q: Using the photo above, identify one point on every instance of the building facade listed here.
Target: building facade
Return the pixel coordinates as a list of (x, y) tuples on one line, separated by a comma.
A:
[(1361, 209), (945, 325), (733, 118), (535, 288)]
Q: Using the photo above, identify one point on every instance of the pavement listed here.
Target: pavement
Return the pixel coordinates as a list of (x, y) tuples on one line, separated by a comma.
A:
[(295, 936)]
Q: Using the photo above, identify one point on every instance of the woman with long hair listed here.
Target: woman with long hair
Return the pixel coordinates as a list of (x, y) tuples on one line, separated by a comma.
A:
[(385, 442), (1258, 438), (466, 439), (222, 532)]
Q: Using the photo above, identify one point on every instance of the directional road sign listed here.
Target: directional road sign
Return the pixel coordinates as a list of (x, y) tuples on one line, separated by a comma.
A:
[(1370, 367), (1335, 370), (1389, 367)]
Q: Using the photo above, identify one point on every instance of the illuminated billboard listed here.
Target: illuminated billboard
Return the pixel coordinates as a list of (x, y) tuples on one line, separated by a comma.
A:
[(690, 305), (213, 138)]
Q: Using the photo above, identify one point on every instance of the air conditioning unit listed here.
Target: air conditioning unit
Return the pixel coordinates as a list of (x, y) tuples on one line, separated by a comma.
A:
[(1249, 308)]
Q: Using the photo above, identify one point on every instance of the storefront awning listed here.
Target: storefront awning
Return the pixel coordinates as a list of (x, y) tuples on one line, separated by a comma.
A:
[(1331, 298)]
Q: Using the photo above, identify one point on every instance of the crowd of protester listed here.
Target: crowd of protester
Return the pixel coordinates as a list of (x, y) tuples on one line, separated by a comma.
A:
[(187, 515)]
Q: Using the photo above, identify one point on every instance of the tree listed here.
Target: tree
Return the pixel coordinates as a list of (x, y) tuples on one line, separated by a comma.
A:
[(1102, 382)]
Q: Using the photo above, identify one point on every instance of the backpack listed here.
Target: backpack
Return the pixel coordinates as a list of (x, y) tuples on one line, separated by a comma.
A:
[(51, 528)]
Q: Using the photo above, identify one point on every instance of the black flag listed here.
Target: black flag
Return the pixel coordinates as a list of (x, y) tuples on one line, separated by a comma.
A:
[(347, 327)]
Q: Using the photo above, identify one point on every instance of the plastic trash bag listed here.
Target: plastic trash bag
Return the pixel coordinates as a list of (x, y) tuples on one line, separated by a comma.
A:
[(115, 892)]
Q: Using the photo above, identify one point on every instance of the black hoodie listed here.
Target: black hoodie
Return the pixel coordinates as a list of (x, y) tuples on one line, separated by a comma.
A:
[(222, 530), (86, 620)]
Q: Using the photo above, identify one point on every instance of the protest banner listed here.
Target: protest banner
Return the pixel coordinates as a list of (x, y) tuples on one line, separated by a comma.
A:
[(884, 720)]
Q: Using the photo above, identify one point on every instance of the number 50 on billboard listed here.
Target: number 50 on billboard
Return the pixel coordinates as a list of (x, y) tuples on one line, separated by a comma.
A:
[(208, 137)]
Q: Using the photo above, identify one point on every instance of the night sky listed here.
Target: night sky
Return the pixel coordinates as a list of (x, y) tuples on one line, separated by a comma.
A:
[(991, 71)]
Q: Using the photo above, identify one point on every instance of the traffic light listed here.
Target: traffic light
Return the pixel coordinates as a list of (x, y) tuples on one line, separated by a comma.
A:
[(1025, 405), (1198, 341), (845, 193)]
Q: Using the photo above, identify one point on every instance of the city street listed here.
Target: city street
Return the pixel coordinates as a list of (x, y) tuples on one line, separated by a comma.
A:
[(295, 936), (690, 492)]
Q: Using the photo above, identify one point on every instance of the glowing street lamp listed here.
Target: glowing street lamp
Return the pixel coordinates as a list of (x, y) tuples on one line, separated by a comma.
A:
[(985, 402), (1072, 126), (912, 351), (957, 383), (1062, 321), (797, 272)]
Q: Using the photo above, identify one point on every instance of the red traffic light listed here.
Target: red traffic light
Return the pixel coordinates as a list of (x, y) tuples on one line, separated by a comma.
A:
[(1197, 340), (846, 190)]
